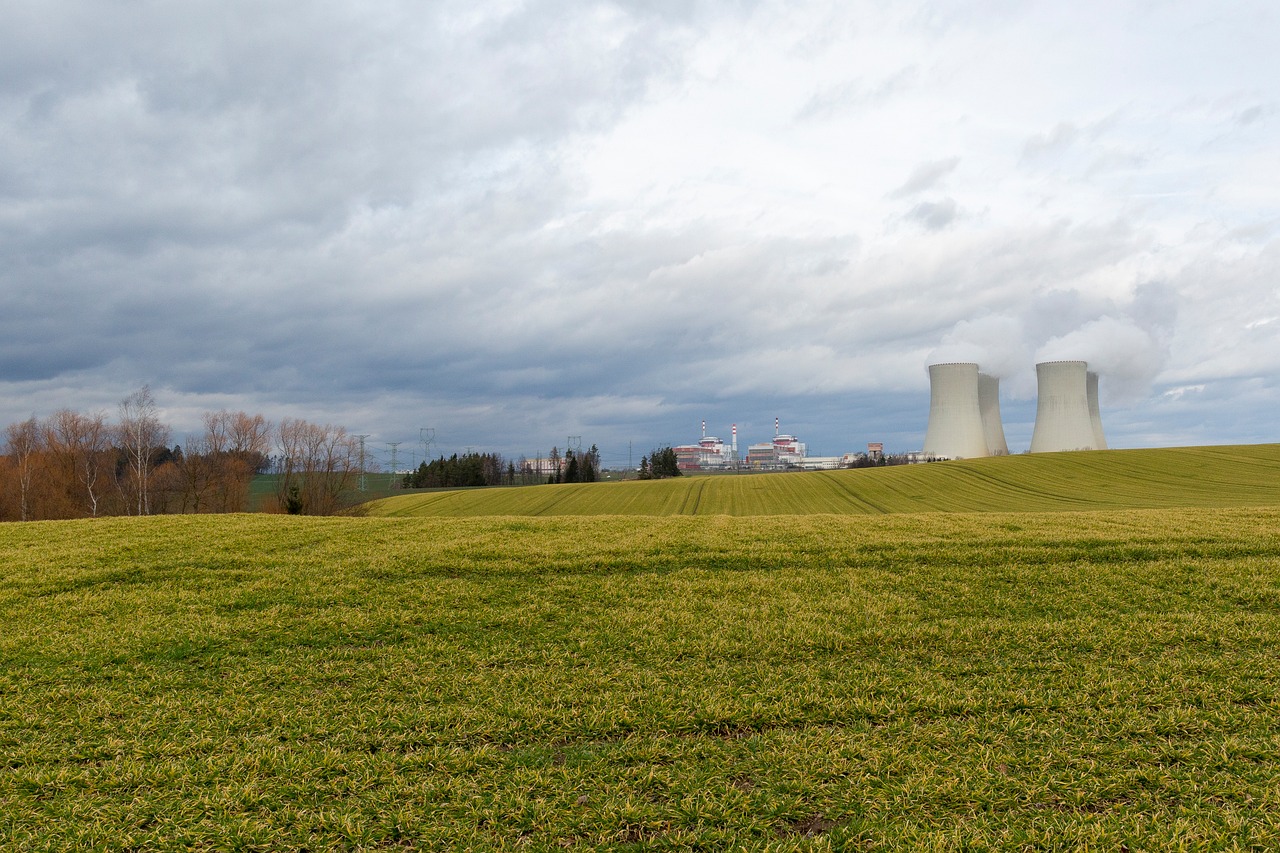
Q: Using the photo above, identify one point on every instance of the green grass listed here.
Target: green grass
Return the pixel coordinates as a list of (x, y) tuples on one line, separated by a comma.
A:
[(263, 489), (1112, 479), (1056, 680)]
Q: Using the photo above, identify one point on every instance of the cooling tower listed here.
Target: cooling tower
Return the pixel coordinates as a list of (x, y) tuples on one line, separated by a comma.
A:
[(989, 407), (1095, 413), (1063, 420), (955, 417)]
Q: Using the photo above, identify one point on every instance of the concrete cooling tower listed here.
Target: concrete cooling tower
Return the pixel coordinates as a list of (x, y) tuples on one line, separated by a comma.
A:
[(1095, 413), (955, 414), (1067, 415), (989, 406)]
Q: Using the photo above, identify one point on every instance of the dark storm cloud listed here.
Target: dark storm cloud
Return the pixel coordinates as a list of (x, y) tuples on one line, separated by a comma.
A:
[(233, 184), (516, 221)]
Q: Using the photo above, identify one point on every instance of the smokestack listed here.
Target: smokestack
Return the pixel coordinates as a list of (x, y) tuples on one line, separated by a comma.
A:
[(1095, 413), (775, 427), (735, 441), (704, 427), (955, 416), (1063, 419), (989, 406)]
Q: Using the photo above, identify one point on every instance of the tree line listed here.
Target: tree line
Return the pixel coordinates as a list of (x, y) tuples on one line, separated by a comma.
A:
[(75, 465), (490, 469), (470, 469)]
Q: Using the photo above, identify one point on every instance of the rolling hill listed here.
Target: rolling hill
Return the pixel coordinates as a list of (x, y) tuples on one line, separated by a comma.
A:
[(1223, 476)]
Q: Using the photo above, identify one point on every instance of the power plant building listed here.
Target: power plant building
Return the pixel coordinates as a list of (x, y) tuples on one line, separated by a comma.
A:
[(709, 452), (784, 451), (1067, 412)]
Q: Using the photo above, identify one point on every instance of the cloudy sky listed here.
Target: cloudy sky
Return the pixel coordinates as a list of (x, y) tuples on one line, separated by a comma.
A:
[(512, 222)]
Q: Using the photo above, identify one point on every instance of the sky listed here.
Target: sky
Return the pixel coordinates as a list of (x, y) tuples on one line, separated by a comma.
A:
[(502, 224)]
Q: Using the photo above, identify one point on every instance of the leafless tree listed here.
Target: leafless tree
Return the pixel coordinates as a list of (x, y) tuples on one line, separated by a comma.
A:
[(140, 433), (318, 466), (192, 475), (82, 441), (221, 463), (24, 441)]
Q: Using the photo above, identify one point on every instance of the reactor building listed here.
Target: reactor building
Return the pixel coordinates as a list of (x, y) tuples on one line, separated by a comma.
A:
[(964, 411)]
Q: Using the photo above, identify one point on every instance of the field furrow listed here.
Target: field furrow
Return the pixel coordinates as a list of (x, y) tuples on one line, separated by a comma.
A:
[(936, 681)]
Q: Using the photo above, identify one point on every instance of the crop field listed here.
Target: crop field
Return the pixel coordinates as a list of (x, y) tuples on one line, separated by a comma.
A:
[(1110, 479), (1063, 680)]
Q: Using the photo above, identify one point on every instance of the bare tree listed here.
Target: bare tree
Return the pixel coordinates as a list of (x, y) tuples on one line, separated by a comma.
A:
[(25, 441), (82, 442), (250, 434), (232, 448), (191, 475), (318, 466), (140, 433)]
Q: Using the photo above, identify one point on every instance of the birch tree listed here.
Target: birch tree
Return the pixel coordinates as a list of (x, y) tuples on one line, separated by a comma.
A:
[(140, 433), (24, 442)]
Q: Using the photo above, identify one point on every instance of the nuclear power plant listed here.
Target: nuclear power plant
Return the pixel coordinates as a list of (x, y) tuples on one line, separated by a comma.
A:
[(964, 411)]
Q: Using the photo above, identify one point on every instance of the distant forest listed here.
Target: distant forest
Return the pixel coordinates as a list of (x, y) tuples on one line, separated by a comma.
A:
[(490, 469), (75, 465)]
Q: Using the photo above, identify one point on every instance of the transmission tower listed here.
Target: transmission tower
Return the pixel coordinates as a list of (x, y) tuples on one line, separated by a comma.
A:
[(363, 485), (426, 437), (394, 470)]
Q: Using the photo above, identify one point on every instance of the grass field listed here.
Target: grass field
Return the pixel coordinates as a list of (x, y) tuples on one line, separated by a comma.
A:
[(1113, 479), (945, 681)]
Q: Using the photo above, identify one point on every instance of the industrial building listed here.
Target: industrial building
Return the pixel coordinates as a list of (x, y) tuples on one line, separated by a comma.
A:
[(709, 452), (782, 452)]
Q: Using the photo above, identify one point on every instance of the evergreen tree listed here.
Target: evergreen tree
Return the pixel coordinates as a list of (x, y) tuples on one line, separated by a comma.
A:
[(590, 465), (664, 463)]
